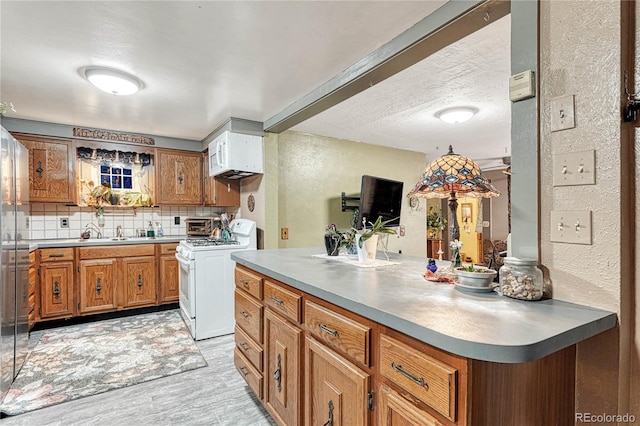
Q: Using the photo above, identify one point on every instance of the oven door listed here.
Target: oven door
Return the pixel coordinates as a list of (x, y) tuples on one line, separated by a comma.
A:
[(187, 282)]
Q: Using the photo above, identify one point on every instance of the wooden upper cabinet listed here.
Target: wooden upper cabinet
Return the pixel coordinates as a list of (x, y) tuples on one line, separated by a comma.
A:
[(178, 177), (219, 192), (51, 169)]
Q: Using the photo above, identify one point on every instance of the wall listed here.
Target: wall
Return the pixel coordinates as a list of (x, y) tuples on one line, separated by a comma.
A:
[(499, 206), (581, 54), (312, 171), (45, 219)]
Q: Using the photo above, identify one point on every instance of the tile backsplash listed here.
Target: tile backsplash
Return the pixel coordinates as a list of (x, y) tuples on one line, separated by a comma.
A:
[(45, 220)]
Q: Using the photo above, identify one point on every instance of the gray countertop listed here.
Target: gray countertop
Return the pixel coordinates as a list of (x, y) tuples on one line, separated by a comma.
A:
[(483, 326), (78, 242)]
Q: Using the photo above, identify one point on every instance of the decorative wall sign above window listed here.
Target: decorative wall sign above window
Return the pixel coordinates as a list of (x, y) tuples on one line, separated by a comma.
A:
[(113, 136)]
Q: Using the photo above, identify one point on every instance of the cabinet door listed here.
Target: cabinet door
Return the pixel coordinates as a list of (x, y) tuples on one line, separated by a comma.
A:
[(97, 285), (51, 169), (394, 410), (282, 374), (179, 177), (56, 284), (139, 281), (169, 288), (225, 192), (335, 389)]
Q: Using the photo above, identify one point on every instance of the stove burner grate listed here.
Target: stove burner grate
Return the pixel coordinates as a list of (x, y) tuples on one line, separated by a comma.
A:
[(203, 242)]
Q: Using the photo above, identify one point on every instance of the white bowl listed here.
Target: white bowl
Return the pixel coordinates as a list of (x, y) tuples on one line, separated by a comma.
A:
[(481, 277)]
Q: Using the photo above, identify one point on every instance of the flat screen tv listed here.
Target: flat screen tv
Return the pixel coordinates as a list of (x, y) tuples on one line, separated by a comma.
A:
[(380, 197)]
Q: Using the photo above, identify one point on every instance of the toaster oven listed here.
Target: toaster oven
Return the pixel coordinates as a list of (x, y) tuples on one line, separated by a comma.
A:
[(201, 226)]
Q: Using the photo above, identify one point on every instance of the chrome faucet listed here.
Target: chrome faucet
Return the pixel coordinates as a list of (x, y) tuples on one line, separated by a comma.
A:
[(93, 227), (119, 233)]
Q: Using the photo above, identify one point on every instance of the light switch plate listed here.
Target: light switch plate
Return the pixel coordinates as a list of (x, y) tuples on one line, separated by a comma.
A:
[(571, 226), (562, 113), (576, 168)]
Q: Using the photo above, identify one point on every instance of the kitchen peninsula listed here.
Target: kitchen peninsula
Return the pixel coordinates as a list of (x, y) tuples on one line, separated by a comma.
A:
[(421, 351)]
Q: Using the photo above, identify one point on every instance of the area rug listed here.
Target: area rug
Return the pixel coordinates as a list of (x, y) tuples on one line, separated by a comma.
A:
[(87, 359)]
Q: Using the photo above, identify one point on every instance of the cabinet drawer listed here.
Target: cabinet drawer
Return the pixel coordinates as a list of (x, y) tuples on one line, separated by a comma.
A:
[(282, 301), (250, 374), (248, 314), (103, 252), (249, 348), (56, 254), (338, 331), (425, 377), (249, 283), (168, 248)]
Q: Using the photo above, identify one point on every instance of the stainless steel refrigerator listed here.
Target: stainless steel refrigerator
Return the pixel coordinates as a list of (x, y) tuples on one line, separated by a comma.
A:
[(14, 256)]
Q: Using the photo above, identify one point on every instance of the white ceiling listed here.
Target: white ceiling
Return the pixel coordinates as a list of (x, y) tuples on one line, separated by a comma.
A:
[(205, 61)]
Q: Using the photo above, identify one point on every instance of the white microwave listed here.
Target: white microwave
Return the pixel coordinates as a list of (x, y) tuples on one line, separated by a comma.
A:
[(235, 155)]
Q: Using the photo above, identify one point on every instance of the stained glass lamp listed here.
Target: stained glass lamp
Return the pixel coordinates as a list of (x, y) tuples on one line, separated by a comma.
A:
[(448, 176)]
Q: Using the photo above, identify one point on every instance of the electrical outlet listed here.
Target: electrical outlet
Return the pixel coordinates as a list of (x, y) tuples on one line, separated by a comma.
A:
[(563, 113), (402, 231), (576, 168), (176, 220), (64, 222), (284, 233), (571, 226)]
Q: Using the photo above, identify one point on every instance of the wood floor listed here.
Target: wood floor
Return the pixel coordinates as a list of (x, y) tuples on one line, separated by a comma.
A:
[(212, 395)]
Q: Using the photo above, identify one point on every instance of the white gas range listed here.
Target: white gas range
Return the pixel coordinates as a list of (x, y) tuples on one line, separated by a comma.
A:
[(207, 279)]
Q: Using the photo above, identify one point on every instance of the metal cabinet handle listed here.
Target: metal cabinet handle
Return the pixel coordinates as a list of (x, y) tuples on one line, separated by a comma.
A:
[(244, 346), (98, 285), (330, 421), (180, 178), (56, 289), (245, 283), (326, 329), (139, 281), (39, 169), (243, 371), (56, 255), (277, 375), (244, 314), (418, 380), (278, 301)]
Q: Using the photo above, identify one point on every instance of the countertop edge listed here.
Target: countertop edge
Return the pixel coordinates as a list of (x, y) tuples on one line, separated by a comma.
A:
[(91, 242), (469, 349)]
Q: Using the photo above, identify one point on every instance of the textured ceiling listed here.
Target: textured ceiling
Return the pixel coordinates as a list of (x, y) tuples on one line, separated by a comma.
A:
[(400, 111), (203, 62)]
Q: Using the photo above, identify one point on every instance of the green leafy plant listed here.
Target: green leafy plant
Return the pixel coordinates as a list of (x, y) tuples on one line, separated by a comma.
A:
[(4, 106), (377, 227), (435, 220)]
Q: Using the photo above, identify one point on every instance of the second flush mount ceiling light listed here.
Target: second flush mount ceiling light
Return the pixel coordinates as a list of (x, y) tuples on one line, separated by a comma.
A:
[(112, 81), (456, 114)]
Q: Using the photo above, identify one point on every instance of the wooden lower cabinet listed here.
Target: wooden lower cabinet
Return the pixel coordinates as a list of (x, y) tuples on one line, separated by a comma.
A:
[(168, 276), (56, 296), (346, 357), (282, 347), (397, 410), (138, 281), (116, 277), (336, 391), (98, 285)]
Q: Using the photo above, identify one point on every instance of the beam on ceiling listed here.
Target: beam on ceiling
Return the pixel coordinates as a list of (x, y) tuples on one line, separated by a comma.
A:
[(448, 24)]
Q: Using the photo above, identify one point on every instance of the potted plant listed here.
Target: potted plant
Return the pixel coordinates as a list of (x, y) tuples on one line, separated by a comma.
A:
[(332, 240), (475, 276), (367, 239), (436, 223)]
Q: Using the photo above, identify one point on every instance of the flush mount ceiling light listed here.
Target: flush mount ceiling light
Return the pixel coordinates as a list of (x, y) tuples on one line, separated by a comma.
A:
[(112, 81), (456, 115)]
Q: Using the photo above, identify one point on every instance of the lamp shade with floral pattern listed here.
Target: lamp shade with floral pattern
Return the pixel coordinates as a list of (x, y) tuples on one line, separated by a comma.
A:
[(453, 173)]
